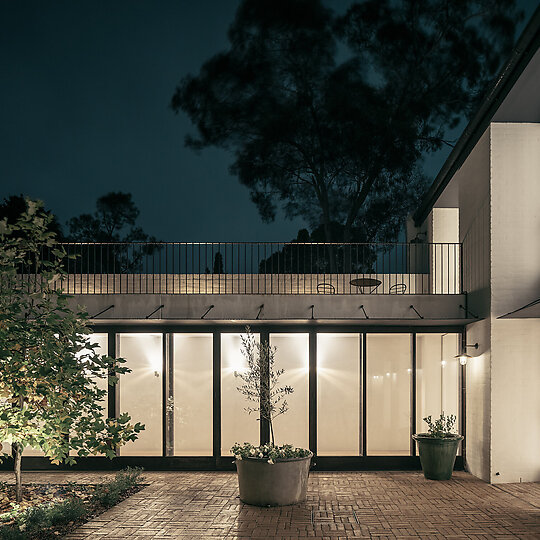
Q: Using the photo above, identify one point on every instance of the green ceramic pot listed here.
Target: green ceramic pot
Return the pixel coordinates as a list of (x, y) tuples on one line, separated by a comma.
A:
[(437, 456), (278, 484)]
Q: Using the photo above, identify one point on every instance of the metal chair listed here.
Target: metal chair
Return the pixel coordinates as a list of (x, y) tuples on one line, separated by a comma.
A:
[(398, 288), (325, 288)]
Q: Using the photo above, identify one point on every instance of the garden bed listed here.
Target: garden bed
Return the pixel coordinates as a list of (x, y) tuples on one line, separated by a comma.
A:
[(53, 510)]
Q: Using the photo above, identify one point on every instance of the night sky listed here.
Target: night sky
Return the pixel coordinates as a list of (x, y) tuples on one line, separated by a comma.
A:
[(85, 98)]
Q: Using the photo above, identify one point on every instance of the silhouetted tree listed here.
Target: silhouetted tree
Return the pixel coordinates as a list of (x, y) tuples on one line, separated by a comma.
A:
[(114, 221), (218, 263), (329, 117)]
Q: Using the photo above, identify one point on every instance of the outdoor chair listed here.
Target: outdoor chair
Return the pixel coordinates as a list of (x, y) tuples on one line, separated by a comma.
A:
[(325, 288), (398, 288)]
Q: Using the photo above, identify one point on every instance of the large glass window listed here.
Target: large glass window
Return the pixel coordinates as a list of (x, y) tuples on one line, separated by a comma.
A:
[(389, 373), (338, 394), (192, 396), (141, 391), (292, 355), (236, 424), (437, 376)]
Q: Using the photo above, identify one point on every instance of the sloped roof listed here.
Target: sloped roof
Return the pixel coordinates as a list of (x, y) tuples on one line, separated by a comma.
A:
[(525, 48)]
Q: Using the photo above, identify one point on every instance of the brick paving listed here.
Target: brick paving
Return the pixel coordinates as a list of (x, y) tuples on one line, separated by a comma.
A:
[(381, 505)]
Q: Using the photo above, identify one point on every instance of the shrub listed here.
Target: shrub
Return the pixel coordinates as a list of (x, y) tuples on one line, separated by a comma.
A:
[(108, 494), (11, 532), (442, 427), (45, 520)]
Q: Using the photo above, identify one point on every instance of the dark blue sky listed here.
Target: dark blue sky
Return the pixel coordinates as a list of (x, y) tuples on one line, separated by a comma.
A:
[(84, 110)]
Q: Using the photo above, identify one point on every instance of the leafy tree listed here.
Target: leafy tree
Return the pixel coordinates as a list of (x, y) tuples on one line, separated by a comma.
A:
[(13, 206), (113, 222), (329, 116), (260, 381), (49, 368)]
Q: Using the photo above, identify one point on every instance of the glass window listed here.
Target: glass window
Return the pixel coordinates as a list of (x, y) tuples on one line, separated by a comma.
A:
[(338, 394), (389, 373), (292, 355), (236, 424), (141, 391), (192, 397), (437, 376)]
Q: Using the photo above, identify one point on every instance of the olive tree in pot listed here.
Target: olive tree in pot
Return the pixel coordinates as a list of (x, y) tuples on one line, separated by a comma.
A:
[(268, 475), (438, 447)]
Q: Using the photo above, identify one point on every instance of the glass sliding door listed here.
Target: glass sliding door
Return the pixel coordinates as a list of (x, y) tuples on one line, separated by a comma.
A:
[(236, 424), (191, 401), (389, 375), (141, 391), (339, 394), (437, 377), (292, 355)]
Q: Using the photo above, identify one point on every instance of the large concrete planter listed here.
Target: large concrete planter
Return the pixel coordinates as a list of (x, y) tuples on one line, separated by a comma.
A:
[(278, 484), (437, 456)]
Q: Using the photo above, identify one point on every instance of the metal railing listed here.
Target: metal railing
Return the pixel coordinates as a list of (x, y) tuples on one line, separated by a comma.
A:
[(262, 268)]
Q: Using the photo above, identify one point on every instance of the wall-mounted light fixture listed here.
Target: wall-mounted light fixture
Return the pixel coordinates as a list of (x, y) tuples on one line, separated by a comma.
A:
[(463, 357)]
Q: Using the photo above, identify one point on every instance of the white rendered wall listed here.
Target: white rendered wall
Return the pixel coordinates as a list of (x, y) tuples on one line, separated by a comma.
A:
[(499, 213), (478, 396), (443, 229), (515, 281)]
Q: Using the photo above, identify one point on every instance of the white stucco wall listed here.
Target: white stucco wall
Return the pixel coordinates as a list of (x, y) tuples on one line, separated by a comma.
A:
[(472, 184), (443, 228), (478, 406), (515, 281), (498, 190)]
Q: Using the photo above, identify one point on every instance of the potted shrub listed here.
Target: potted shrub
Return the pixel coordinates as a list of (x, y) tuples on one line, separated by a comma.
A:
[(268, 475), (438, 447)]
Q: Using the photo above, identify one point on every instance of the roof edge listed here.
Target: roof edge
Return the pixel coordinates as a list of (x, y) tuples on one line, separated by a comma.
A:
[(525, 48)]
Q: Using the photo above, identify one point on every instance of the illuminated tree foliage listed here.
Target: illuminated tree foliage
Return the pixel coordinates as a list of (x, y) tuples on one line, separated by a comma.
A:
[(49, 368)]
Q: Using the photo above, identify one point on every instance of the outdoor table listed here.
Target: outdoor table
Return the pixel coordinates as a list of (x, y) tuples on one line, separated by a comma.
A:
[(362, 283)]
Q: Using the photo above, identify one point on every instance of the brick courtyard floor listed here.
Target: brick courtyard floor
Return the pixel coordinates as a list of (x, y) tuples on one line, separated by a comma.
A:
[(193, 505)]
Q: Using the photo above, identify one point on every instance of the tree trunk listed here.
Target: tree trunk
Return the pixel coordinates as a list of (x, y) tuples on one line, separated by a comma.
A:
[(17, 448), (328, 239)]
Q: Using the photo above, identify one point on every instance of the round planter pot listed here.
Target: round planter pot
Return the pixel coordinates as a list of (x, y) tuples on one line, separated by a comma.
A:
[(437, 456), (278, 484)]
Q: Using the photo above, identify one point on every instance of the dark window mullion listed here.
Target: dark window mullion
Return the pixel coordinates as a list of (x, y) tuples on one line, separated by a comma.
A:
[(363, 358), (413, 394)]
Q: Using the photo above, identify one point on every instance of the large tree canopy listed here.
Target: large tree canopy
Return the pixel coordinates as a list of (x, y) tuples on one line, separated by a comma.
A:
[(329, 116)]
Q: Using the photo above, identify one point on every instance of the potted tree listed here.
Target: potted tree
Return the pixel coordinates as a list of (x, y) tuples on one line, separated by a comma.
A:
[(438, 447), (268, 475)]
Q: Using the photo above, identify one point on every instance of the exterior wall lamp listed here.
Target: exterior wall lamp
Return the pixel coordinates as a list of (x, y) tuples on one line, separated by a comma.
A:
[(463, 357)]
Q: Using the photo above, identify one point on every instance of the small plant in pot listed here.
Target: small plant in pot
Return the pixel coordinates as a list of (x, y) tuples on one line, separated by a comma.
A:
[(438, 447), (268, 475)]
